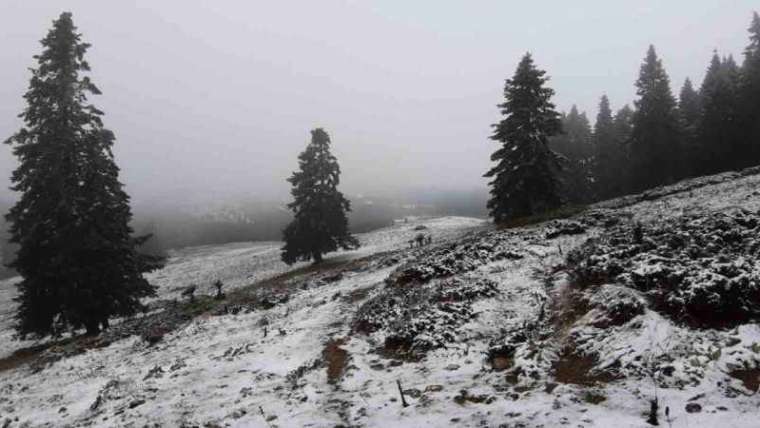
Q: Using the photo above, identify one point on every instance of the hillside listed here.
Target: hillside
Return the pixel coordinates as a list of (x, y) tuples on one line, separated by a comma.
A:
[(582, 321)]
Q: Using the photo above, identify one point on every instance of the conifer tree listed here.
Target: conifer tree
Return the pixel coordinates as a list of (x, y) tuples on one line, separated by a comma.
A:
[(77, 256), (655, 146), (609, 154), (320, 223), (750, 92), (689, 113), (524, 180), (720, 142), (575, 144), (623, 127), (623, 123)]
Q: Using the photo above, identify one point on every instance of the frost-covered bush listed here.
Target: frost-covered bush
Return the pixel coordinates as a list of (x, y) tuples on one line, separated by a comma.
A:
[(702, 270), (422, 317), (456, 258)]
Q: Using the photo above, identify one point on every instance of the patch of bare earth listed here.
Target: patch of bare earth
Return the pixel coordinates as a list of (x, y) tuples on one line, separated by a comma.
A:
[(335, 359), (750, 378)]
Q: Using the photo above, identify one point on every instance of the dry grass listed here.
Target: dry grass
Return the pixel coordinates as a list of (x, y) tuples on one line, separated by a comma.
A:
[(559, 213)]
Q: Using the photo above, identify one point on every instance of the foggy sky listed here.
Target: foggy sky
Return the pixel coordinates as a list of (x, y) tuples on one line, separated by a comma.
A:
[(213, 100)]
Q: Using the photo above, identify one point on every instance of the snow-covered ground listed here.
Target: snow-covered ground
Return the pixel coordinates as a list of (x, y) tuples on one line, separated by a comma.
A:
[(245, 263), (242, 264), (305, 362)]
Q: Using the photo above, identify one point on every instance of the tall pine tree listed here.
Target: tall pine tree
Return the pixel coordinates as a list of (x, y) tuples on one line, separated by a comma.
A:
[(609, 155), (719, 129), (623, 126), (575, 144), (524, 180), (750, 91), (655, 145), (77, 256), (689, 113), (320, 223)]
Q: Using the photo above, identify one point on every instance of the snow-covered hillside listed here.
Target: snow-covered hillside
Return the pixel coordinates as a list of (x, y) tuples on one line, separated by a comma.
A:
[(484, 327)]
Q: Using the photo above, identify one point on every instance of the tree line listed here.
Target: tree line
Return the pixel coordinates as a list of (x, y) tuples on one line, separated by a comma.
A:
[(80, 261), (547, 159)]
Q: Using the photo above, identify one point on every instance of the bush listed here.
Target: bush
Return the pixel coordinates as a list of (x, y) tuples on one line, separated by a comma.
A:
[(701, 270)]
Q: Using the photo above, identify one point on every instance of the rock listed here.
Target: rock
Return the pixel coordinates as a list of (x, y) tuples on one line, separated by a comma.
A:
[(565, 228), (434, 388), (452, 367), (333, 278), (136, 403), (413, 392), (733, 341), (693, 408), (155, 373), (501, 363)]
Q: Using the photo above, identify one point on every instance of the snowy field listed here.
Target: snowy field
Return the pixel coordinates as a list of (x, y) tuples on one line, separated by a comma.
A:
[(305, 362)]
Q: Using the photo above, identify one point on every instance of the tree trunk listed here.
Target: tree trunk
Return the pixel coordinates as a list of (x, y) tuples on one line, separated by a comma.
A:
[(317, 256), (92, 328)]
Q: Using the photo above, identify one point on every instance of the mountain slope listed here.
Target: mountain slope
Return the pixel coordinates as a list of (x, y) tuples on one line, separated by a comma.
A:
[(484, 327)]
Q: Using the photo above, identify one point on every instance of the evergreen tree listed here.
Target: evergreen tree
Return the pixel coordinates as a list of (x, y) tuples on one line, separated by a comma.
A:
[(689, 109), (750, 92), (609, 154), (623, 123), (623, 127), (575, 144), (655, 152), (320, 224), (77, 256), (720, 142), (525, 176)]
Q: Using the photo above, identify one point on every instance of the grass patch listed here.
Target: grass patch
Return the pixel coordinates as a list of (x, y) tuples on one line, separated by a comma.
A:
[(200, 305), (558, 213)]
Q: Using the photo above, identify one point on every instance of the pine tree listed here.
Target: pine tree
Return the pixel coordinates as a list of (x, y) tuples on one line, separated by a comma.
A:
[(720, 142), (525, 176), (575, 144), (320, 224), (77, 256), (750, 92), (609, 154), (689, 109), (623, 127), (655, 146), (623, 123)]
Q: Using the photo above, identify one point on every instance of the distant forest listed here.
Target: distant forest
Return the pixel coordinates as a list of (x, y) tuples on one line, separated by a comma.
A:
[(547, 159)]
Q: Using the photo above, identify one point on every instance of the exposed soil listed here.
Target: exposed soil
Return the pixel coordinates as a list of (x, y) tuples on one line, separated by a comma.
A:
[(335, 359), (577, 368), (750, 378)]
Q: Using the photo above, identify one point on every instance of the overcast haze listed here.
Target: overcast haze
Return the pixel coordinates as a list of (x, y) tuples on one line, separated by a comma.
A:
[(215, 99)]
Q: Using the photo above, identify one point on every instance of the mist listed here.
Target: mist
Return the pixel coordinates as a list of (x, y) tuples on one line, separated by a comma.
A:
[(211, 102)]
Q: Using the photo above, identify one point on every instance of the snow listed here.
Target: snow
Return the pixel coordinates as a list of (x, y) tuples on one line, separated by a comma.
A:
[(267, 368)]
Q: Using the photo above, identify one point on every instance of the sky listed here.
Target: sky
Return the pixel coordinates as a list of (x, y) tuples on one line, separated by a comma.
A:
[(213, 100)]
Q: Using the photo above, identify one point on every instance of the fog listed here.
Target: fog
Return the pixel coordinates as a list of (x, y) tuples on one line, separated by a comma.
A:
[(212, 101)]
